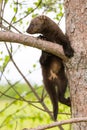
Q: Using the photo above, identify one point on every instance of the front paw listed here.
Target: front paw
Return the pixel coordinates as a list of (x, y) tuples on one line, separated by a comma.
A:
[(41, 37), (69, 52)]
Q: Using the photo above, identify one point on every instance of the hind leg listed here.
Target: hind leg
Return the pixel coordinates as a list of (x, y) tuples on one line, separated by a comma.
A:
[(61, 92), (64, 100), (53, 96)]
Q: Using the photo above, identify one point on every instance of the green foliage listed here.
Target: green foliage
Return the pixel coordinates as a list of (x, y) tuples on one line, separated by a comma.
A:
[(61, 12), (34, 65), (4, 61), (15, 114), (6, 1), (15, 9), (14, 19)]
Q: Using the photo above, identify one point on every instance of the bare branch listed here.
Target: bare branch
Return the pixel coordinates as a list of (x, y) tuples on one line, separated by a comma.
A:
[(27, 40), (1, 2), (29, 12), (55, 124)]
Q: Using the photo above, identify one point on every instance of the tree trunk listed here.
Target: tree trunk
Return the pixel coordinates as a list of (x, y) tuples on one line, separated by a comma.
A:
[(76, 25)]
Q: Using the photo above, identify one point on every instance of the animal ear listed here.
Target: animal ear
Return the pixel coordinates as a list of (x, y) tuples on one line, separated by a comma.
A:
[(43, 17)]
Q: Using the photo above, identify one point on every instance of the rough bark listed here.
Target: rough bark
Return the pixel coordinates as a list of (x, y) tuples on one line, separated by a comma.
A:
[(76, 24)]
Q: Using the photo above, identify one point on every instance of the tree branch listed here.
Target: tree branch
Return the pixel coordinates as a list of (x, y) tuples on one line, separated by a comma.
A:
[(27, 40), (55, 124)]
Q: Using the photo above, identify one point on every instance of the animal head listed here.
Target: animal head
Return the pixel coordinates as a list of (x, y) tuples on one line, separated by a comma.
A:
[(37, 24)]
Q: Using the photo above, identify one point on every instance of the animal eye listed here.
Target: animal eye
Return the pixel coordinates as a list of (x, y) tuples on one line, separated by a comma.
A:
[(31, 25)]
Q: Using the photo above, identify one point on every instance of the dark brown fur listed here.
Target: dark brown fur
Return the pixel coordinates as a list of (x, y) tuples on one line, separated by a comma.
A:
[(50, 30), (55, 80), (53, 70)]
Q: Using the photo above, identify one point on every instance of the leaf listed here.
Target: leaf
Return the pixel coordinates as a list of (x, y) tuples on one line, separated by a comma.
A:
[(14, 19), (34, 65), (6, 1), (15, 9), (6, 60), (29, 10)]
